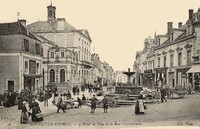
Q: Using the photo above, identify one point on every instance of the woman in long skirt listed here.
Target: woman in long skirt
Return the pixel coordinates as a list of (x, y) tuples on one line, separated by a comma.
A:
[(24, 114), (35, 110), (139, 107)]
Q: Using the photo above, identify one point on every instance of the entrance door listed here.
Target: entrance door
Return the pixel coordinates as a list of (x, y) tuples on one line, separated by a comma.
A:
[(10, 86), (171, 80), (29, 84)]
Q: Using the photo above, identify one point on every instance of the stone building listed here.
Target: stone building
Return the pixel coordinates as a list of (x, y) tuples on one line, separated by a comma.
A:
[(174, 53), (20, 58), (71, 43), (98, 70)]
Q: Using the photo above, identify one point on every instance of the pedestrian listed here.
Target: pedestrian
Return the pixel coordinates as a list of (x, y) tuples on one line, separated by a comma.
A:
[(90, 88), (12, 98), (189, 88), (35, 110), (163, 94), (77, 90), (105, 104), (20, 101), (139, 107), (93, 104), (74, 90), (79, 102), (69, 96), (60, 104), (83, 99), (6, 99), (46, 99), (24, 119)]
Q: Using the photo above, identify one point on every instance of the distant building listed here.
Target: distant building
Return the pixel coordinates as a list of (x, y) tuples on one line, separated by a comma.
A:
[(20, 58), (121, 78)]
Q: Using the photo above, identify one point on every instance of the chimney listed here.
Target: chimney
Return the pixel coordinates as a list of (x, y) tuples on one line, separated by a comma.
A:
[(61, 24), (23, 22), (169, 27), (180, 24), (190, 14)]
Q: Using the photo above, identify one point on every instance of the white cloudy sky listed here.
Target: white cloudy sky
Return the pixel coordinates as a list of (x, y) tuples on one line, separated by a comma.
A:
[(117, 27)]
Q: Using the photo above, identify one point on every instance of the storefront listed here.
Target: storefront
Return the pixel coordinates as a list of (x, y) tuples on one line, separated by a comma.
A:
[(161, 76), (194, 75), (181, 77), (149, 78)]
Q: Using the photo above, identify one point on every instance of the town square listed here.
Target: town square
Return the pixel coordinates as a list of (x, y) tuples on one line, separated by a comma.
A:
[(99, 64)]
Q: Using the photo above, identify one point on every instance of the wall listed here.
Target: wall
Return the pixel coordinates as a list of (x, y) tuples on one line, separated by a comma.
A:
[(9, 71)]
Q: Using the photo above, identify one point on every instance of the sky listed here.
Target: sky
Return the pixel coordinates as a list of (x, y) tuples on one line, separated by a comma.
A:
[(117, 27)]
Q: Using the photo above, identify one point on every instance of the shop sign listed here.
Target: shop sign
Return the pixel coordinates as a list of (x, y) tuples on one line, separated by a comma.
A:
[(148, 71)]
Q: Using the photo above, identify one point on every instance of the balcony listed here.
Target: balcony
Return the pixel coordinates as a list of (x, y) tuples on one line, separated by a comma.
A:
[(86, 64)]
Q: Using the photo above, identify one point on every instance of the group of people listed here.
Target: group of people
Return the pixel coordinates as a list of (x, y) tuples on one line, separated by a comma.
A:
[(75, 90), (94, 102), (8, 99), (30, 110)]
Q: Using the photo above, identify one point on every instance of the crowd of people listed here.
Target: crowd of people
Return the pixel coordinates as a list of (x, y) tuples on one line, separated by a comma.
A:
[(8, 99)]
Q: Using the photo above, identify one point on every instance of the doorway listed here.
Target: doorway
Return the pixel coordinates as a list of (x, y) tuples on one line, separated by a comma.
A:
[(10, 85), (29, 84), (171, 80)]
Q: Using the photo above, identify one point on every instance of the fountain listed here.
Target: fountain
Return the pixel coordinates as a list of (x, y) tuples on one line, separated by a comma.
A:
[(129, 74), (130, 88)]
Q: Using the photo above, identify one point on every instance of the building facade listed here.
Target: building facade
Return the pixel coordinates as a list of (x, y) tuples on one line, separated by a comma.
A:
[(21, 58), (74, 46), (173, 54)]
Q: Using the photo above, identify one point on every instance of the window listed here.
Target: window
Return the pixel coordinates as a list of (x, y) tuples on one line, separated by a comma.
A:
[(62, 75), (152, 64), (37, 68), (179, 59), (52, 75), (171, 60), (165, 61), (52, 54), (62, 54), (158, 62), (37, 47), (26, 45), (50, 13), (189, 57), (26, 66)]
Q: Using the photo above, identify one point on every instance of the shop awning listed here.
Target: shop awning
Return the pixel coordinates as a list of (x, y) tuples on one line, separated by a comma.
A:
[(194, 69)]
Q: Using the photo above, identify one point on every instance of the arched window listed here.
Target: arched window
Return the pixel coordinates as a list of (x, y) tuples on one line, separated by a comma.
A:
[(52, 75), (62, 75)]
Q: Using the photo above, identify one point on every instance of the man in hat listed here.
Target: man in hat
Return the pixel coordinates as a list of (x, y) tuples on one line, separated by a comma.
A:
[(93, 104), (105, 104)]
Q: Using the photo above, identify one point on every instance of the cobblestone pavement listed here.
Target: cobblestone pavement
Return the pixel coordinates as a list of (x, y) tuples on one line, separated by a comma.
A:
[(174, 112), (11, 116)]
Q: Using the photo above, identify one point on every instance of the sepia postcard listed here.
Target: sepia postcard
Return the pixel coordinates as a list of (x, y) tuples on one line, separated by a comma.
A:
[(99, 64)]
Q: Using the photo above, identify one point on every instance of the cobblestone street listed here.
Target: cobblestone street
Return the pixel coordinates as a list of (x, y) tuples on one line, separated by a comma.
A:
[(173, 112)]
